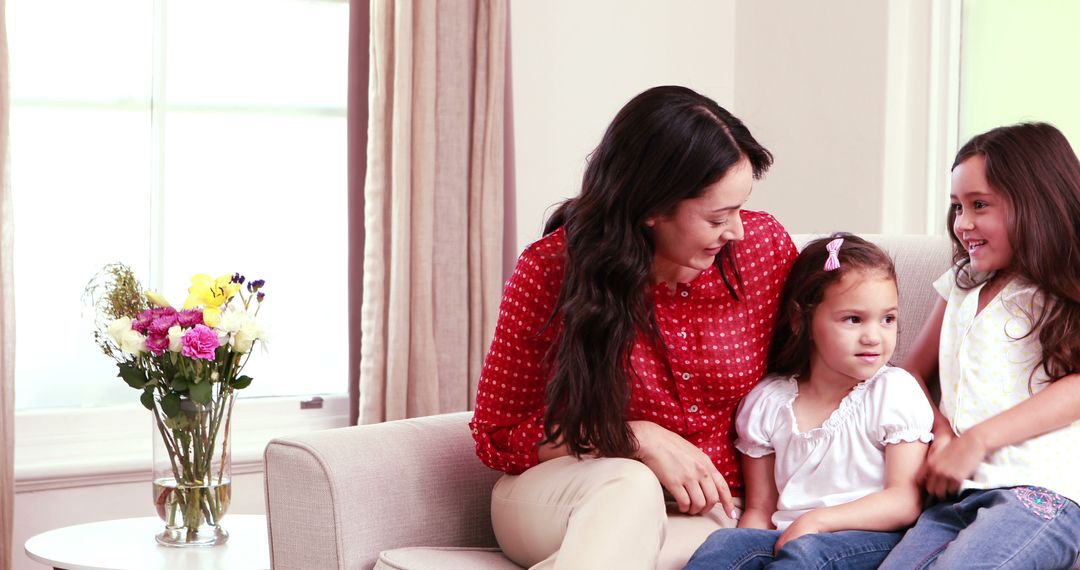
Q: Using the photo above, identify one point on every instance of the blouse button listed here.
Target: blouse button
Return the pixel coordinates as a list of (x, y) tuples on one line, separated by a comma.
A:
[(474, 430), (685, 375), (685, 293), (693, 409)]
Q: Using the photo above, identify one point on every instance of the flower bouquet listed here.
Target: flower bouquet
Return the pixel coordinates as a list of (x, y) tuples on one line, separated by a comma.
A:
[(187, 364)]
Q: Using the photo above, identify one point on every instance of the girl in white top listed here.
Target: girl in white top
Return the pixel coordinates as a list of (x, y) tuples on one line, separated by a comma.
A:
[(1004, 341), (833, 439)]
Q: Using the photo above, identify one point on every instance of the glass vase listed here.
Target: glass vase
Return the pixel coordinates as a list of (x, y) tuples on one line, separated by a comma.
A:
[(192, 467)]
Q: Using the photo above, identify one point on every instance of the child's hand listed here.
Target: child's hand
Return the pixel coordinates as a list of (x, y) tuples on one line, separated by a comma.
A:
[(682, 468), (809, 523), (953, 461)]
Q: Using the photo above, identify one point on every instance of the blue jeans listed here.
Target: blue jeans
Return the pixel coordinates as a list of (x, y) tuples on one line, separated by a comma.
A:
[(747, 548), (1017, 527)]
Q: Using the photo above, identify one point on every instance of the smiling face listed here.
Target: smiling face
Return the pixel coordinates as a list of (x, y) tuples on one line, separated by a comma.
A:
[(687, 240), (980, 217), (853, 329)]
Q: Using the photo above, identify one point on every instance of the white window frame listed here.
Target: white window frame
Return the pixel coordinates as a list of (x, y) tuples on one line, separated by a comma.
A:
[(922, 114)]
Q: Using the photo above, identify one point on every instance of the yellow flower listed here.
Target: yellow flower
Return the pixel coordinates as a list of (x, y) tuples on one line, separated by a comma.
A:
[(211, 316), (210, 294), (156, 299)]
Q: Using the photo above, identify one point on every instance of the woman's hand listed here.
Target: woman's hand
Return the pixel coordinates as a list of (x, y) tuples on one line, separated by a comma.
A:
[(952, 461), (809, 523), (682, 468)]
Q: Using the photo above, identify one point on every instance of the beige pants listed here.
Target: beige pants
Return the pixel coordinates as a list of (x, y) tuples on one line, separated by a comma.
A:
[(594, 513)]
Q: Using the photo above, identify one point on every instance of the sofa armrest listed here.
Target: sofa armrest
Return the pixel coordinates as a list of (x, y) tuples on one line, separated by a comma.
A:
[(336, 498)]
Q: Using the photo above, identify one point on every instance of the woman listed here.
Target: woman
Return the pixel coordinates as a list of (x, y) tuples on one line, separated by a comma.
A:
[(626, 337)]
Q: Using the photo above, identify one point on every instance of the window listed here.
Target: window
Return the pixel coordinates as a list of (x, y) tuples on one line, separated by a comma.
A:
[(179, 137), (1017, 62)]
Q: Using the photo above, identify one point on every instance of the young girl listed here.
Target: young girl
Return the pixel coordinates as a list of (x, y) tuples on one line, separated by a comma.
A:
[(833, 439), (1005, 344)]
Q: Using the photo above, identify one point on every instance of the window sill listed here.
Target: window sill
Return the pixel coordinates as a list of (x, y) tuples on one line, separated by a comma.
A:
[(73, 447)]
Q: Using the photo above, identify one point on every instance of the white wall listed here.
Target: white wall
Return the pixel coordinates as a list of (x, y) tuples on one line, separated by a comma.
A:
[(574, 64), (811, 87), (839, 90)]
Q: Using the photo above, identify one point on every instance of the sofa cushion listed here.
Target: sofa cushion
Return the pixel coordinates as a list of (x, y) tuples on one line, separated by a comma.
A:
[(444, 558)]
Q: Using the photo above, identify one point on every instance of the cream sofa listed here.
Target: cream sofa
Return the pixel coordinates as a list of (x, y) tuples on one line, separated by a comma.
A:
[(412, 494)]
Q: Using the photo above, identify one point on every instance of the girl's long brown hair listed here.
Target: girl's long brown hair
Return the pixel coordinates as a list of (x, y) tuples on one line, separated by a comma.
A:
[(665, 145), (1035, 169)]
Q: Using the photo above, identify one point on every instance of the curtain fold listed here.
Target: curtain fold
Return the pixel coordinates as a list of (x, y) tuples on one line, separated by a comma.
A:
[(7, 317), (433, 204), (357, 120)]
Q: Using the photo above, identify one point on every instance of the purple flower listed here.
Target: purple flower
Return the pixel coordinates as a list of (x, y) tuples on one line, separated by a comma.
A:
[(199, 342), (160, 325), (255, 285), (142, 322), (157, 343), (190, 318), (237, 278), (260, 296)]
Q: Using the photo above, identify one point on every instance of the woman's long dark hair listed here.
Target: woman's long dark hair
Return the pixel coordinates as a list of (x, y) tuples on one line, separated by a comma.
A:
[(664, 146), (1035, 169)]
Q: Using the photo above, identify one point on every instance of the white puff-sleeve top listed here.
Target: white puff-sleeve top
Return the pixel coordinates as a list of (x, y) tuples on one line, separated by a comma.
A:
[(844, 459)]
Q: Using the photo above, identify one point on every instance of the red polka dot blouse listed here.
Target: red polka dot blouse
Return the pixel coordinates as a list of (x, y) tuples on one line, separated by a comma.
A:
[(714, 351)]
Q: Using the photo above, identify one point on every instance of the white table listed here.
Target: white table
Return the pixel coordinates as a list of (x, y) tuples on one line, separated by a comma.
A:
[(128, 544)]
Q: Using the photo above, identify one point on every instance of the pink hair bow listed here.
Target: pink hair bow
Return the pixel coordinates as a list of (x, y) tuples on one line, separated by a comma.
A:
[(833, 262)]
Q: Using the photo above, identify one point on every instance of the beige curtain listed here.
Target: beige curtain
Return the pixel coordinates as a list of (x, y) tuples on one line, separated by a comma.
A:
[(7, 320), (433, 196)]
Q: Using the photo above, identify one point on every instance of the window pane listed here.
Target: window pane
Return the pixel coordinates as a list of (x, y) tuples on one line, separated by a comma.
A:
[(258, 52), (64, 50), (265, 195), (80, 185), (1015, 63), (260, 189)]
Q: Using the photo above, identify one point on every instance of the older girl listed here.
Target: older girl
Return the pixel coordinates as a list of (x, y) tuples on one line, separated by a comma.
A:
[(1003, 340)]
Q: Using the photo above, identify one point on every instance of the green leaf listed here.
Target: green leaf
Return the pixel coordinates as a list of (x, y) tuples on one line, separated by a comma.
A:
[(134, 377), (179, 384), (147, 398), (201, 392), (170, 404), (241, 382)]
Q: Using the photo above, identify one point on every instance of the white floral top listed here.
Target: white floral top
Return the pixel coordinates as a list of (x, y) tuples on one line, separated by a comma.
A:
[(844, 459), (984, 369)]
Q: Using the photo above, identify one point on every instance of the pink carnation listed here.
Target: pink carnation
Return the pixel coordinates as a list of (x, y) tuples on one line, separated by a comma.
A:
[(199, 342)]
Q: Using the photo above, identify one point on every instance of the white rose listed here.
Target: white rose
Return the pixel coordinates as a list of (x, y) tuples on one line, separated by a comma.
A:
[(132, 342), (175, 335), (118, 327)]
